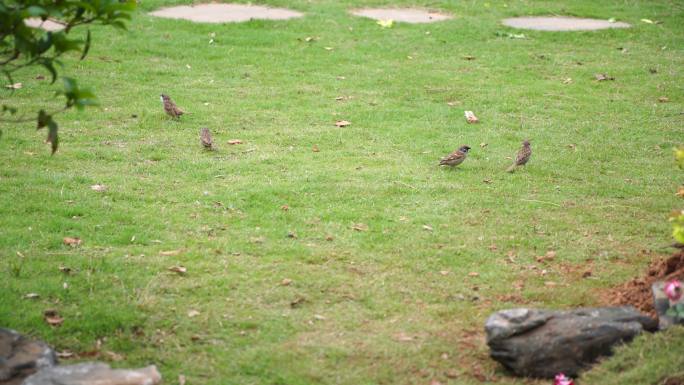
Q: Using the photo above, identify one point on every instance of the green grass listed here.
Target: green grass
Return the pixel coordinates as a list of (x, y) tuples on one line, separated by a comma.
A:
[(597, 190)]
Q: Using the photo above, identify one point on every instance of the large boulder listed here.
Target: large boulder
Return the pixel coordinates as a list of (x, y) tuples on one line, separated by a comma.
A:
[(94, 373), (20, 357), (542, 343)]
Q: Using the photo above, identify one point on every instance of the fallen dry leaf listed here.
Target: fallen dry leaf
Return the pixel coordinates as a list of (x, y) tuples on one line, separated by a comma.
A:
[(329, 238), (297, 302), (32, 296), (470, 117), (193, 313), (98, 187), (403, 337), (549, 256), (567, 81), (451, 373), (72, 241), (65, 354), (435, 382), (483, 145), (603, 77), (170, 253), (550, 284), (234, 141), (680, 192), (292, 234), (492, 247), (360, 227), (444, 272), (315, 148), (286, 282), (52, 317), (284, 207), (181, 379), (473, 274), (14, 86), (40, 77), (328, 48), (319, 317), (427, 228), (469, 57), (178, 269), (342, 123), (113, 356), (663, 99), (487, 181)]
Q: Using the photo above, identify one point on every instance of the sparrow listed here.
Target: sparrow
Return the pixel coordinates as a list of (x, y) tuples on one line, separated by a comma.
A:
[(170, 107), (455, 158), (205, 139), (522, 157)]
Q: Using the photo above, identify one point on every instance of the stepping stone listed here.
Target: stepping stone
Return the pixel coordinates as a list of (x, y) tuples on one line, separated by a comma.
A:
[(406, 15), (561, 23), (225, 13), (94, 373), (47, 25), (20, 357)]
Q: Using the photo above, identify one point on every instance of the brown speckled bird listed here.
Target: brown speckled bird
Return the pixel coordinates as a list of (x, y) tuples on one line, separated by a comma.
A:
[(170, 107), (522, 157), (455, 158), (205, 139)]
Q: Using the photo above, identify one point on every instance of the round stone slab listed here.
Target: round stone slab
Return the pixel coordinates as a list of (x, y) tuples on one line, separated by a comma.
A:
[(561, 23), (225, 13), (47, 25), (406, 15)]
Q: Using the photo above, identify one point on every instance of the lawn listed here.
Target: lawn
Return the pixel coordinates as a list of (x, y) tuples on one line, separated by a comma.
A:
[(363, 262)]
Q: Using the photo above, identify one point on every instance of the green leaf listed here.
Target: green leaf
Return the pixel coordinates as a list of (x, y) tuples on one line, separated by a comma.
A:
[(53, 138), (44, 44), (86, 48), (69, 85), (11, 110), (47, 63), (43, 119), (36, 11)]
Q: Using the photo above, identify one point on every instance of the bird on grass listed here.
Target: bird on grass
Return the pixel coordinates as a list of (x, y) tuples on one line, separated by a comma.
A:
[(170, 107), (522, 157), (205, 139), (455, 158)]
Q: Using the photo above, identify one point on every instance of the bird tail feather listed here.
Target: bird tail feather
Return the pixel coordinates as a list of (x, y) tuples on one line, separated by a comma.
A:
[(512, 168)]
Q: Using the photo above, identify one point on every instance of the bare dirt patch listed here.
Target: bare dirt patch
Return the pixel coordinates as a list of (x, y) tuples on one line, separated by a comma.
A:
[(225, 13), (561, 23), (405, 15), (637, 292)]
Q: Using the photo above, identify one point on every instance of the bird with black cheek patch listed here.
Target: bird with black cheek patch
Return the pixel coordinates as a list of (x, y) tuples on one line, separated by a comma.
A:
[(170, 107), (523, 156), (455, 158)]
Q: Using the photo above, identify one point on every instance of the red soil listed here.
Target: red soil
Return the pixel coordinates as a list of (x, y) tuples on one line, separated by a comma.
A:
[(637, 292)]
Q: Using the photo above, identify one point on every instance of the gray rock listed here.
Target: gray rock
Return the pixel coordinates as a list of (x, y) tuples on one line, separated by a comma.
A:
[(94, 373), (20, 357), (542, 343)]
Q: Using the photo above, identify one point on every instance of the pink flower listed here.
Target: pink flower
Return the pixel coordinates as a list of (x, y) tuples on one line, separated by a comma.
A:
[(562, 380), (673, 290)]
